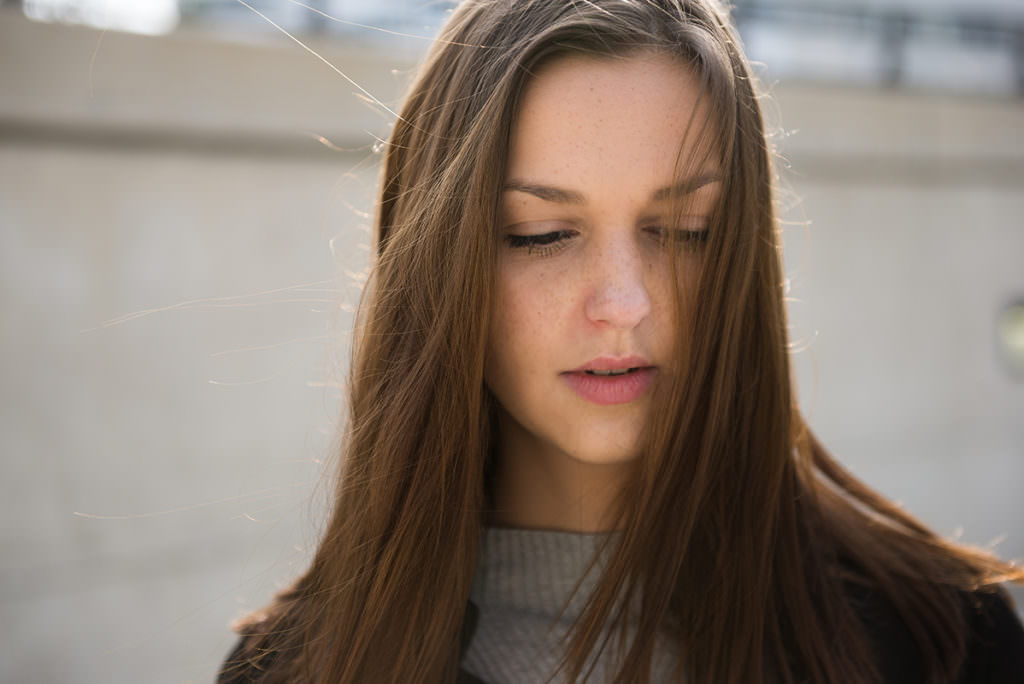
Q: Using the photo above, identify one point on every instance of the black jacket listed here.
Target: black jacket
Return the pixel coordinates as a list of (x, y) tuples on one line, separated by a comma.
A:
[(995, 652)]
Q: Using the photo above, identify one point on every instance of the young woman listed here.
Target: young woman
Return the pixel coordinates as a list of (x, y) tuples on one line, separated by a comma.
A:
[(572, 445)]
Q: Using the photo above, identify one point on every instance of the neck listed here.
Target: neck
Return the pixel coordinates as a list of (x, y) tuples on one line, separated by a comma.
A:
[(539, 486)]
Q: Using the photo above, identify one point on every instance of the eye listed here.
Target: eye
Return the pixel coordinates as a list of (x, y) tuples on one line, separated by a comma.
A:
[(542, 244), (683, 238)]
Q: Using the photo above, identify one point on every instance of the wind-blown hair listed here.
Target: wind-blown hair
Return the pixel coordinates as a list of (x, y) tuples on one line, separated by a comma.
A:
[(741, 539)]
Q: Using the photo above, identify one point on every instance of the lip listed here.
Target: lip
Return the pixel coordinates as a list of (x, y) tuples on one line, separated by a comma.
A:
[(605, 363), (616, 389)]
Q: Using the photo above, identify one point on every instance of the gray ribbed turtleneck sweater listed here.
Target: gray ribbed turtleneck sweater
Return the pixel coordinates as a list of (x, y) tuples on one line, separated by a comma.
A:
[(523, 579)]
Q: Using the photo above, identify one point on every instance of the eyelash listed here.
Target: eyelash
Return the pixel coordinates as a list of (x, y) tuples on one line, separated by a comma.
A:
[(689, 240), (542, 245), (546, 244)]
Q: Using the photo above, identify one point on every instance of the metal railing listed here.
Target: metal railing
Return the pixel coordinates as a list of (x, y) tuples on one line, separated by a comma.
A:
[(893, 32)]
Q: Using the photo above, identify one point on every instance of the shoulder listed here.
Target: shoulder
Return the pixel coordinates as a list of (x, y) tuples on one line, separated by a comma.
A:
[(895, 650), (234, 669), (995, 648), (248, 662), (995, 638), (269, 643)]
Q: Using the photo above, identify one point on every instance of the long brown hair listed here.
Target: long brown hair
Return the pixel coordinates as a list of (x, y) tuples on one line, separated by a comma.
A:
[(740, 536)]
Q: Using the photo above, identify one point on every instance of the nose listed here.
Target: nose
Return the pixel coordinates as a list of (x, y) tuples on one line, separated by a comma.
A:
[(617, 290)]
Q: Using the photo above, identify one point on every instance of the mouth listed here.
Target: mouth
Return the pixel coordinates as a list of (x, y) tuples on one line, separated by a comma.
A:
[(612, 373), (610, 365), (608, 380)]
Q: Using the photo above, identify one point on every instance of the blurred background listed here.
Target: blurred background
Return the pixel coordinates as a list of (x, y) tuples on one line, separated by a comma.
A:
[(185, 200)]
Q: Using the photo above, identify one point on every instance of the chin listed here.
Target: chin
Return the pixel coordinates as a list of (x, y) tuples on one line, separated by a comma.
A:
[(603, 452), (606, 459), (606, 440)]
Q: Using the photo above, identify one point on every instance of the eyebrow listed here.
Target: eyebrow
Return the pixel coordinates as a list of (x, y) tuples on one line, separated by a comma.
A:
[(685, 186), (551, 193), (548, 193)]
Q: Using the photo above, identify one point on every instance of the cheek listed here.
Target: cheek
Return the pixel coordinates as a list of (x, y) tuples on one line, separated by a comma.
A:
[(677, 310), (527, 300), (529, 312)]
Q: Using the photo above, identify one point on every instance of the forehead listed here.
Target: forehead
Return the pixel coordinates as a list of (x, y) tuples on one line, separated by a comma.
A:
[(606, 124)]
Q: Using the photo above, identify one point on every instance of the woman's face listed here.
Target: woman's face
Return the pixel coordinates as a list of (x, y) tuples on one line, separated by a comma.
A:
[(585, 285)]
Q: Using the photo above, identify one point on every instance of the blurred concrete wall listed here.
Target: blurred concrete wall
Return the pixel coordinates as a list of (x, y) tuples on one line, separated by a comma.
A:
[(179, 254)]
